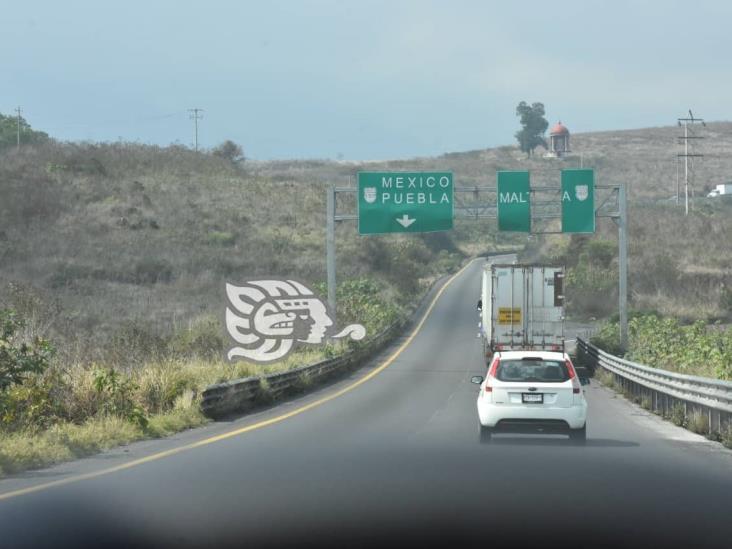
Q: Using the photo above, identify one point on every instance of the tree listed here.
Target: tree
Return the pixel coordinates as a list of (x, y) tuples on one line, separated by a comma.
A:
[(533, 123), (9, 132), (229, 151)]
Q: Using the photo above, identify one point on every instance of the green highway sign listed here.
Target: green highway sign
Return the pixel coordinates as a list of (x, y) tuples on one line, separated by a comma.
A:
[(404, 202), (578, 201), (514, 206)]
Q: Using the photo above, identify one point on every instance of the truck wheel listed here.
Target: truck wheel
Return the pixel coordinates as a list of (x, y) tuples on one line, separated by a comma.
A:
[(578, 436), (485, 434)]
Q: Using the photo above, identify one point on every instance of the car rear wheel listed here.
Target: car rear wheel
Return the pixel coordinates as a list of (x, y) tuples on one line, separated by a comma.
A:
[(485, 433), (578, 436)]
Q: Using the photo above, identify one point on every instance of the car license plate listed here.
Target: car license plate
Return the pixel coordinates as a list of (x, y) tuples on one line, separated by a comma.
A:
[(532, 398)]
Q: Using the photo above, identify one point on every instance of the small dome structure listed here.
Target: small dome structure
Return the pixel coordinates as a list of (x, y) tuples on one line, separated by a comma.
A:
[(559, 129), (558, 140)]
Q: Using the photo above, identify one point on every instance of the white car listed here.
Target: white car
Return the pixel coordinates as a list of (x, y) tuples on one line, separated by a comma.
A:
[(530, 389)]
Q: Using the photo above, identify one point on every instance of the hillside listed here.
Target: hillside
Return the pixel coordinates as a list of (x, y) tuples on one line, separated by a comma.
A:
[(105, 236), (96, 239), (645, 159), (678, 265)]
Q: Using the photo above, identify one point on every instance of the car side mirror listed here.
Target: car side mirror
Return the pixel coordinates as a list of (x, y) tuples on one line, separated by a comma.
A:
[(584, 380), (476, 379)]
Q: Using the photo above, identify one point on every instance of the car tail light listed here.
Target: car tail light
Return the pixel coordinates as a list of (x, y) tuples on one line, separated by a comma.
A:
[(494, 367), (491, 374), (576, 386)]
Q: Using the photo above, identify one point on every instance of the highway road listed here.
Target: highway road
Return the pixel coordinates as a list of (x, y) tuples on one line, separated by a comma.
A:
[(395, 460)]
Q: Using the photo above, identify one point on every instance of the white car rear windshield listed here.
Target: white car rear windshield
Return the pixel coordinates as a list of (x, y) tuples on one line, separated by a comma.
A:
[(532, 370)]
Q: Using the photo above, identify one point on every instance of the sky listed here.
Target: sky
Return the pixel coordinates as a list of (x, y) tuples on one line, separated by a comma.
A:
[(358, 80)]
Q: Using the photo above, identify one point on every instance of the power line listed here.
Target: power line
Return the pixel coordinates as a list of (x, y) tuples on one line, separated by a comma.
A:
[(195, 116), (687, 155)]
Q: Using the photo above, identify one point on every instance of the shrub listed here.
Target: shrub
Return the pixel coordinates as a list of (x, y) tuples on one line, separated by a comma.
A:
[(591, 290), (152, 270), (221, 238), (608, 338), (34, 404), (135, 343), (678, 415), (159, 385), (117, 391), (229, 150), (601, 252), (204, 339), (362, 301), (18, 359)]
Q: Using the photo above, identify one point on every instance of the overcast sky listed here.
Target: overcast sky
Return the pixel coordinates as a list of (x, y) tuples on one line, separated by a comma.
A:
[(358, 79)]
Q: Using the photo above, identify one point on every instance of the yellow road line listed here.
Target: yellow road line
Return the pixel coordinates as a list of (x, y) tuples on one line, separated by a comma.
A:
[(242, 430)]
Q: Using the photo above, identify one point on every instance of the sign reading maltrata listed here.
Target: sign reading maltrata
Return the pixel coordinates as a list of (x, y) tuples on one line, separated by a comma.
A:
[(514, 203), (404, 202)]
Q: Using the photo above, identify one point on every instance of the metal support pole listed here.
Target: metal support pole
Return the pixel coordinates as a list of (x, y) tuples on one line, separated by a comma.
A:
[(330, 250), (686, 168), (623, 265)]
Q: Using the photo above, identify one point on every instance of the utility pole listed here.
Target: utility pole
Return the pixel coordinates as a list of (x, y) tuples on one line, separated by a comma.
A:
[(195, 116), (622, 223), (330, 259), (685, 138), (17, 110)]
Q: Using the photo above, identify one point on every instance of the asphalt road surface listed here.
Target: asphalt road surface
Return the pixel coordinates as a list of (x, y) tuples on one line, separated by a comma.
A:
[(394, 461)]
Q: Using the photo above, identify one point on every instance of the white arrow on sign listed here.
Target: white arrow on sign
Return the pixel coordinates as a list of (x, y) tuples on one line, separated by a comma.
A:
[(404, 221)]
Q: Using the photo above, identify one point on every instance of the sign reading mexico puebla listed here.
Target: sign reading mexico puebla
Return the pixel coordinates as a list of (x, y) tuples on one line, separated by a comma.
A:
[(404, 202)]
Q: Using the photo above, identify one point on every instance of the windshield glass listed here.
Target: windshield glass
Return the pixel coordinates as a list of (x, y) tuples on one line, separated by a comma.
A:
[(542, 371), (257, 260)]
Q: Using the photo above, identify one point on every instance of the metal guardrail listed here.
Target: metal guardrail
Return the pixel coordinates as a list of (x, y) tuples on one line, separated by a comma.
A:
[(665, 389), (239, 395)]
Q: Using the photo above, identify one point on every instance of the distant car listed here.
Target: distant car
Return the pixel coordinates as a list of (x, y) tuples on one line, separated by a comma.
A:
[(526, 390)]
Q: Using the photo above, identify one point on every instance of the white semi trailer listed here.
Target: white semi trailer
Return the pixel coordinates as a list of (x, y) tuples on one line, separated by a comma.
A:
[(522, 308)]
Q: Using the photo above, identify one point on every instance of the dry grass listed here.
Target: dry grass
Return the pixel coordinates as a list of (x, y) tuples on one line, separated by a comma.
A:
[(167, 391), (698, 423), (65, 441), (123, 233)]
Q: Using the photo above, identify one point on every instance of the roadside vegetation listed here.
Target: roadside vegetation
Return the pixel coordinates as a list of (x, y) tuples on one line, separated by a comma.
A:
[(664, 342), (53, 409), (113, 259), (693, 349)]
